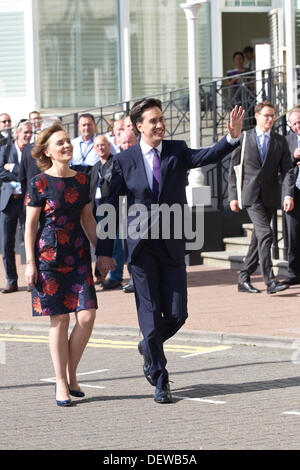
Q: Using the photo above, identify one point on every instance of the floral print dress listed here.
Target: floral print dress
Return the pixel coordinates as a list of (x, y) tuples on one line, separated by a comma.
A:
[(62, 251)]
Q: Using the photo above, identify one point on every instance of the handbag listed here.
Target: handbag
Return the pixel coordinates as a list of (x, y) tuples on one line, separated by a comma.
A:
[(238, 169)]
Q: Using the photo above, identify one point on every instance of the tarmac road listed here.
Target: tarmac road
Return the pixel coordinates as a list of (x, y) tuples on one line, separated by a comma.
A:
[(225, 397)]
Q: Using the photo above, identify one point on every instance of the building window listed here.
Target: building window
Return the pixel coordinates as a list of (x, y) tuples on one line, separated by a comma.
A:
[(159, 48), (12, 53), (79, 53)]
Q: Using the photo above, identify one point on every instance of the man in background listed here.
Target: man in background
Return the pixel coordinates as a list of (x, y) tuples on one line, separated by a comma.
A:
[(84, 153), (5, 129), (100, 179), (36, 121), (12, 200), (266, 155), (293, 217)]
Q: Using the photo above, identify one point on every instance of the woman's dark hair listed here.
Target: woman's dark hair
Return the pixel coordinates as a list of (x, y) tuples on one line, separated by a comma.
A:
[(41, 144), (137, 110), (238, 53)]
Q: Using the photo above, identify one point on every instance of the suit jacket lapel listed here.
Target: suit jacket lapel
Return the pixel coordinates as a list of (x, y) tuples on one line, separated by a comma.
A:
[(138, 160), (253, 145), (15, 155)]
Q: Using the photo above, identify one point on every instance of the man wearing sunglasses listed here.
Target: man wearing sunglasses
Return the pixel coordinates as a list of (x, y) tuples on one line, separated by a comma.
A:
[(5, 129)]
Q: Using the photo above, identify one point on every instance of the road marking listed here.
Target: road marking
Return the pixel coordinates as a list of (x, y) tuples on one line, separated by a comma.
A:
[(208, 350), (291, 413), (52, 379), (188, 351), (203, 400)]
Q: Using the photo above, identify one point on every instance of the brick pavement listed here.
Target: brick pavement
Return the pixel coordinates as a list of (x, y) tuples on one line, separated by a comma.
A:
[(215, 306)]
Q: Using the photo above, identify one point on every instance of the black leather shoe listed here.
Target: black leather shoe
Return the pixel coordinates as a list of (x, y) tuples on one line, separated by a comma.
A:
[(110, 284), (277, 286), (147, 363), (163, 395), (247, 287), (10, 288), (129, 288)]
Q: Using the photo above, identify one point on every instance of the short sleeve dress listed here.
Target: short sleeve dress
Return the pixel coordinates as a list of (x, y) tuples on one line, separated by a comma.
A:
[(62, 251)]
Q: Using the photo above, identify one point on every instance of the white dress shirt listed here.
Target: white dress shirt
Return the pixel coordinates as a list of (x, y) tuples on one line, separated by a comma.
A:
[(148, 160)]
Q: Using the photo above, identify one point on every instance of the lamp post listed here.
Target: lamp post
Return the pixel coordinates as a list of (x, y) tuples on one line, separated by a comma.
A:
[(196, 191), (125, 50), (291, 80)]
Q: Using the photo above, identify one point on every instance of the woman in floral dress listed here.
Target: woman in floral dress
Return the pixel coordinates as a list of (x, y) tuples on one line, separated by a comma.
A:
[(58, 232)]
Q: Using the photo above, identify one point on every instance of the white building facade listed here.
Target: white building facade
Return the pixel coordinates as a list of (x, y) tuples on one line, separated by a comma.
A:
[(77, 54)]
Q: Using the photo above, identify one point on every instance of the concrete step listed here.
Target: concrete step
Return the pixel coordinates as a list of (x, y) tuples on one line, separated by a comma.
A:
[(234, 260), (249, 228), (240, 245), (222, 259)]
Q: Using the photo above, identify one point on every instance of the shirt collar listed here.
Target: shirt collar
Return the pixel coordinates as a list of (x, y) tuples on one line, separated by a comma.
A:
[(89, 141), (259, 132), (146, 148)]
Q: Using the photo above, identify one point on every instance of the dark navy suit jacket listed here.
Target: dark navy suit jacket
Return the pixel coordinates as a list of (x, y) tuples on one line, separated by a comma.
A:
[(129, 178), (8, 154)]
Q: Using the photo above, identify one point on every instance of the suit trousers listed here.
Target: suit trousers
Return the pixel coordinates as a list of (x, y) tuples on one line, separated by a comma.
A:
[(160, 284), (9, 218), (118, 255), (293, 231), (260, 245)]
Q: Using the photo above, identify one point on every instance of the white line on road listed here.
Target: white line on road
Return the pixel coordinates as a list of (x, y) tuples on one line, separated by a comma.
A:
[(209, 350), (291, 413), (52, 379), (203, 400)]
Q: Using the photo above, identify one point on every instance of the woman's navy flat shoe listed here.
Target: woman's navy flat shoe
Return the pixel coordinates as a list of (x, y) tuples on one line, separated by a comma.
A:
[(62, 402), (77, 393)]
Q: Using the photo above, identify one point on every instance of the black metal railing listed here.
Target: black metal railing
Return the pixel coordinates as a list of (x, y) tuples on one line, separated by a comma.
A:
[(217, 98)]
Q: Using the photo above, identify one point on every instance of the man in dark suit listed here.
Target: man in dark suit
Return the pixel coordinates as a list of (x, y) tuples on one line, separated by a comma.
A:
[(293, 217), (266, 154), (28, 167), (12, 200), (5, 129), (151, 173), (100, 178), (127, 139)]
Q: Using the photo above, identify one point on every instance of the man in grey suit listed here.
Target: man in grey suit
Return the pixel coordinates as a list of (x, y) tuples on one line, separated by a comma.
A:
[(12, 200), (293, 217), (266, 154)]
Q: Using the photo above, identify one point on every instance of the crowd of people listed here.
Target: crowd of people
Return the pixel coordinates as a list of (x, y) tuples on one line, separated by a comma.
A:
[(92, 154), (62, 183)]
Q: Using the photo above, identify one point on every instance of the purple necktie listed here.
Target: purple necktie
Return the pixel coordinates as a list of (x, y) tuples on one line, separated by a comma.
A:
[(156, 173)]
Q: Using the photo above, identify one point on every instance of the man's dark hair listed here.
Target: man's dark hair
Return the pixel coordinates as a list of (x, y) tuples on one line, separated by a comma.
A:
[(248, 49), (137, 110), (87, 115), (262, 105), (33, 112)]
